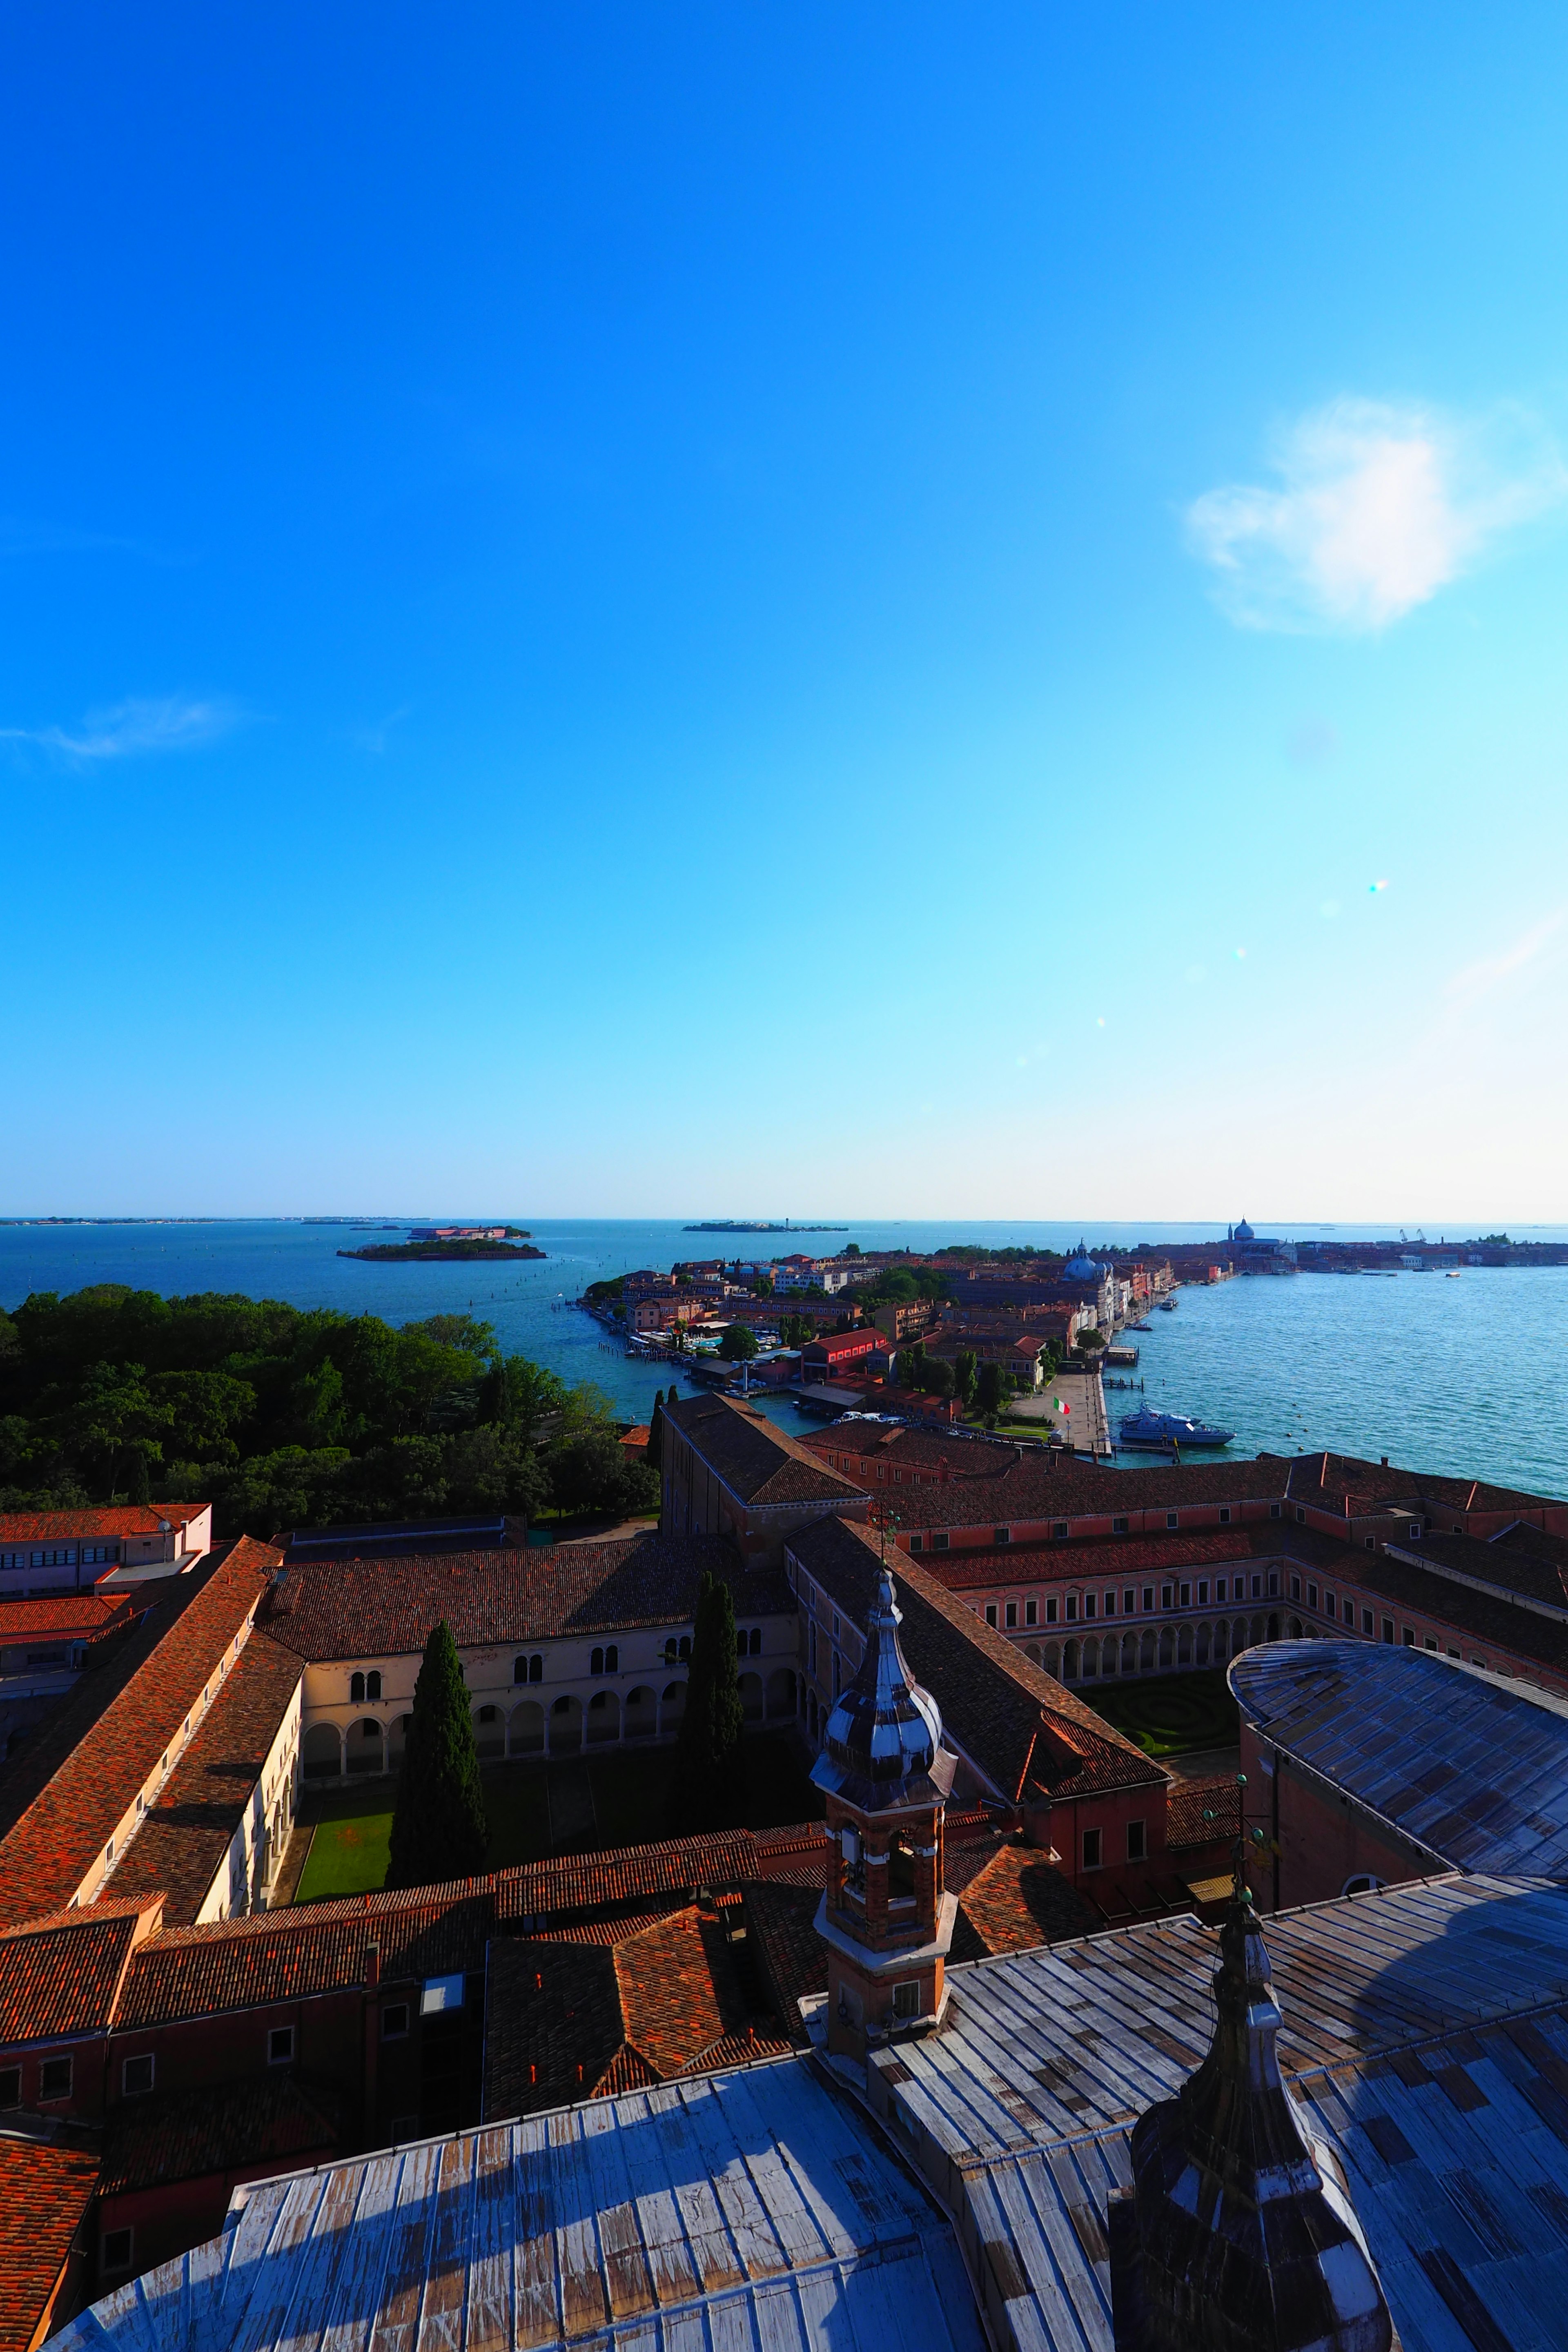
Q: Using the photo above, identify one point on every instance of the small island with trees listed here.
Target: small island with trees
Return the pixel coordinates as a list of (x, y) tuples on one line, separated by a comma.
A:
[(449, 1248)]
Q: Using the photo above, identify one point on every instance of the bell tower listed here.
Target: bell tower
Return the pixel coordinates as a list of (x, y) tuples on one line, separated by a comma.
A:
[(885, 1915)]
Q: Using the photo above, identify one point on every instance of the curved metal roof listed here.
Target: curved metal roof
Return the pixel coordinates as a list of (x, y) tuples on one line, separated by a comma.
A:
[(1492, 1796)]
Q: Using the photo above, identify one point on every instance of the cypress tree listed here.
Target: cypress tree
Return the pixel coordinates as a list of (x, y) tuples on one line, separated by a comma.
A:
[(708, 1788), (140, 1490), (654, 1456), (438, 1827)]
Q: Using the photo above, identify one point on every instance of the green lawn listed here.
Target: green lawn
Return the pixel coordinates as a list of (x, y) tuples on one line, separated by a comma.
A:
[(1169, 1713), (573, 1806)]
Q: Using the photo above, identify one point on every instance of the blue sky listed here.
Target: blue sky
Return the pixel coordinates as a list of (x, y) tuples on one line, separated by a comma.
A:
[(743, 611)]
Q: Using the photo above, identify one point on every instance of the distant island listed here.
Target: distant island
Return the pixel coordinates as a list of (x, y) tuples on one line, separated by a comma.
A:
[(757, 1225), (387, 1253)]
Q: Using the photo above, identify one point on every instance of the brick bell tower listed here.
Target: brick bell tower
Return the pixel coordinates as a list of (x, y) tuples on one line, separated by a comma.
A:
[(885, 1915)]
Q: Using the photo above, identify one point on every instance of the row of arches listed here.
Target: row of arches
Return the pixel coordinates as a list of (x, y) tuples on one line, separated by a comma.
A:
[(560, 1727), (1157, 1650)]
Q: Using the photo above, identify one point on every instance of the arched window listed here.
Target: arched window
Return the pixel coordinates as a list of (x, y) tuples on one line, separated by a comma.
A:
[(1363, 1882), (756, 1640), (372, 1686), (684, 1652), (596, 1663), (611, 1658), (528, 1670), (670, 1651), (356, 1690), (490, 1715)]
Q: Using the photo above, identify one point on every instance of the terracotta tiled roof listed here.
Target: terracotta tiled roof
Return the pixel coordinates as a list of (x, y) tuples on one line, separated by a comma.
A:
[(752, 1456), (74, 1616), (185, 1835), (60, 1976), (62, 1799), (318, 1947), (791, 1957), (385, 1608), (1524, 1561), (1187, 1803), (1019, 1899), (567, 2020), (995, 1703), (1342, 1483), (672, 1868), (45, 2191), (1482, 1618), (1104, 1556), (89, 1526), (182, 2135)]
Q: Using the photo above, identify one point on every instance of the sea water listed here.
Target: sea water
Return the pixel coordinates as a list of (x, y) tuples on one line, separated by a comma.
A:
[(1464, 1376)]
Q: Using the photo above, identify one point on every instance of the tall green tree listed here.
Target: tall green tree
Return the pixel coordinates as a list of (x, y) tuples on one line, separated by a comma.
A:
[(438, 1826), (707, 1790), (654, 1457), (739, 1343), (990, 1390), (965, 1365)]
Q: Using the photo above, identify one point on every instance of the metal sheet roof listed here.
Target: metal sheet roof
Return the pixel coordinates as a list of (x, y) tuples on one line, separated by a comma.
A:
[(1492, 1796), (747, 2209)]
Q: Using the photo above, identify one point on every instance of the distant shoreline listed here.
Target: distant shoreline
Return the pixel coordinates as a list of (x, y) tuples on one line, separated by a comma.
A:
[(736, 1225)]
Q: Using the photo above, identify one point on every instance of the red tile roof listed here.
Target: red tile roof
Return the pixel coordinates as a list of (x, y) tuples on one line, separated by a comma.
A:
[(45, 2191), (88, 1527), (183, 2134), (1100, 1556), (185, 1835), (72, 1616), (385, 1608), (671, 1867), (61, 1976), (752, 1456), (1188, 1802), (1019, 1899), (314, 1949), (63, 1798)]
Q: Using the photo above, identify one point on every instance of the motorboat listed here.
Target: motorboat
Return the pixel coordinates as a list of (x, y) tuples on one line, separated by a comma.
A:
[(1158, 1432), (1167, 1306), (1139, 1326)]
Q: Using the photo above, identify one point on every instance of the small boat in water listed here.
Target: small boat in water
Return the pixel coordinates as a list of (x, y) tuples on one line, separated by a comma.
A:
[(1167, 1306), (1157, 1433)]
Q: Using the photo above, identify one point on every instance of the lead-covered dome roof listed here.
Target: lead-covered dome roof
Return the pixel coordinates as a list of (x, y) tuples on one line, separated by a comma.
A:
[(883, 1740)]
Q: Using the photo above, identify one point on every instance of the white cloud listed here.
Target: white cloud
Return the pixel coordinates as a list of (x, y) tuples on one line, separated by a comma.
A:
[(174, 723), (1379, 505)]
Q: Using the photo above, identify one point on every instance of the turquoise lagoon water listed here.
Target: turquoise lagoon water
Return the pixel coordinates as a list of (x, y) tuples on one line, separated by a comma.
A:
[(1467, 1377)]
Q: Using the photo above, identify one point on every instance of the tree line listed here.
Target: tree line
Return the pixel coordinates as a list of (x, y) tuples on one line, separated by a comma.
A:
[(284, 1416)]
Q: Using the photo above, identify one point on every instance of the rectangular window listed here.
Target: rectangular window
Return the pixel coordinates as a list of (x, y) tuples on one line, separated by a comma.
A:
[(55, 2079), (136, 2076), (1167, 1596), (1453, 1654), (1059, 1529), (441, 1994), (1431, 1641), (1225, 1515), (1093, 1841), (939, 1543), (1203, 1592), (1148, 1596), (10, 2086), (1001, 1535), (1050, 1608), (1479, 1662), (1089, 1600), (1031, 1613), (990, 1613), (1172, 1518), (1300, 1514), (1119, 1526), (907, 1998), (1220, 1590), (280, 2046), (1388, 1629), (1410, 1637), (917, 1543), (1414, 1530), (1186, 1596), (1110, 1604), (1295, 1588), (1311, 1596), (1274, 1510), (1258, 1588), (1072, 1608), (1137, 1848), (1012, 1616), (114, 2251), (394, 2021), (1330, 1605), (1372, 1543), (1128, 1599), (1366, 1621)]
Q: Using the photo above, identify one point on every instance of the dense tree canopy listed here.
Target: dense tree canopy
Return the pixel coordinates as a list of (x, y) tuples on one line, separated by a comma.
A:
[(708, 1786), (284, 1416)]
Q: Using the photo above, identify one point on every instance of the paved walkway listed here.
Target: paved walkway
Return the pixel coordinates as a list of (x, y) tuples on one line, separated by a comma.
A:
[(1084, 1423)]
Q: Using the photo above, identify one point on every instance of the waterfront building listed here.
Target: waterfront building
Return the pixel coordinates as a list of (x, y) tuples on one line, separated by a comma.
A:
[(729, 1470)]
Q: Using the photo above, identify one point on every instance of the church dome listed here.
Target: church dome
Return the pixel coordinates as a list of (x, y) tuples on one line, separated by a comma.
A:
[(1082, 1269), (885, 1731), (1244, 1232)]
